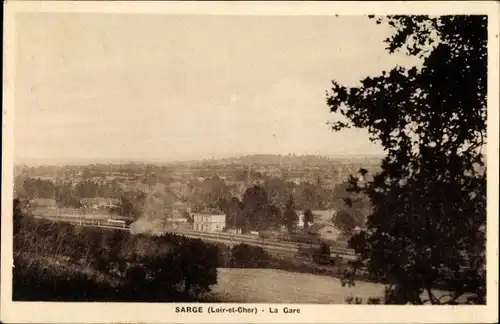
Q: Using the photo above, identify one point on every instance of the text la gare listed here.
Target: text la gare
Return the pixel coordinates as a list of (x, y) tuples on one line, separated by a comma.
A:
[(285, 310)]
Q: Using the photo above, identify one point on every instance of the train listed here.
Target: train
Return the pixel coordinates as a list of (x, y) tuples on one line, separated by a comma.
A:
[(114, 222)]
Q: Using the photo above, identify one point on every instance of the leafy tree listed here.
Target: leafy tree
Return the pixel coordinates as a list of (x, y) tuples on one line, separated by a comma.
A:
[(309, 197), (18, 214), (186, 215), (308, 218), (19, 186), (234, 213), (345, 221), (426, 230), (223, 205), (278, 190), (247, 256), (274, 216), (38, 188), (255, 207), (65, 196), (132, 204), (211, 190), (86, 189), (109, 190), (255, 198), (197, 263), (290, 215)]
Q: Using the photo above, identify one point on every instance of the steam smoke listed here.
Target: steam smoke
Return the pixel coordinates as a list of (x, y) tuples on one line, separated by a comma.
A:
[(146, 226), (156, 208)]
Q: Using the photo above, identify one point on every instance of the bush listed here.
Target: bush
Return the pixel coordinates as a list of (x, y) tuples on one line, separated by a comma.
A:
[(247, 256), (192, 264), (58, 261)]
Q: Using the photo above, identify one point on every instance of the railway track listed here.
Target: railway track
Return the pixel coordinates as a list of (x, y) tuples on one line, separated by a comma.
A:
[(267, 242), (289, 248), (225, 238), (93, 222), (233, 242)]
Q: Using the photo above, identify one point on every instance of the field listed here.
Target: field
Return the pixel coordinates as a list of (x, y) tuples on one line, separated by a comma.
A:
[(277, 286)]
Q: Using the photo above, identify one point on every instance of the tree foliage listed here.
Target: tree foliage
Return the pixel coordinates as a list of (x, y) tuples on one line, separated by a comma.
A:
[(344, 221), (290, 215), (353, 206), (247, 256), (149, 268), (308, 218), (191, 263), (209, 191), (426, 229), (65, 193), (132, 204)]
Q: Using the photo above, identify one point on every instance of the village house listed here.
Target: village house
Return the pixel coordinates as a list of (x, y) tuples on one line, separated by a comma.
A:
[(100, 203), (209, 222), (319, 216), (325, 232)]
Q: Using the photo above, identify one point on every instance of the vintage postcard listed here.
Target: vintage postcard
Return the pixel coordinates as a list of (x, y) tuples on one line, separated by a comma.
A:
[(250, 162)]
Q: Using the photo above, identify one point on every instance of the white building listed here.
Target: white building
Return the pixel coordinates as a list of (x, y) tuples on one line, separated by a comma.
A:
[(319, 216), (209, 222)]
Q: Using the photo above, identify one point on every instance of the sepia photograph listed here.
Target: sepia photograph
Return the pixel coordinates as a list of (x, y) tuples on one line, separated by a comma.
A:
[(248, 164)]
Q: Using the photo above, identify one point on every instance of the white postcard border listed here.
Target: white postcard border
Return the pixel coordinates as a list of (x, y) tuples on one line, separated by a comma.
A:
[(38, 312)]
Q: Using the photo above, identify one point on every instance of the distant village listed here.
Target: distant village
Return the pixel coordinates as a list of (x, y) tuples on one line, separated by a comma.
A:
[(282, 198)]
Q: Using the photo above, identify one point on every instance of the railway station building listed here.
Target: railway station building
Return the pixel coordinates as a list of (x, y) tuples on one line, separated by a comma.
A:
[(209, 222)]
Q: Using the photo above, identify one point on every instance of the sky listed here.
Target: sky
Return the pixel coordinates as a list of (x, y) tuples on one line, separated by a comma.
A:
[(106, 87)]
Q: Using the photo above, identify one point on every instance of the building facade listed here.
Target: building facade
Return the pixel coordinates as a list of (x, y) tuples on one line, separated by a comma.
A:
[(325, 232), (209, 222), (319, 216)]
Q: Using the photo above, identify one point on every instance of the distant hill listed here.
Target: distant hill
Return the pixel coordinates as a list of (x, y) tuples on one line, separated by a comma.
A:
[(256, 160), (294, 160)]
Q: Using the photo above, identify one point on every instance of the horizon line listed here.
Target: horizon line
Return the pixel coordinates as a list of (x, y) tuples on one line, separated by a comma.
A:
[(83, 161)]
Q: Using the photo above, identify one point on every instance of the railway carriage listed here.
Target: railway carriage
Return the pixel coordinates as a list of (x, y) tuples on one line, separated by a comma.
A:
[(114, 222)]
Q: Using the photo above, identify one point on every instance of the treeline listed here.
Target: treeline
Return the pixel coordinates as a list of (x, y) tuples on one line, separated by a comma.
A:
[(258, 211), (69, 195), (87, 169), (40, 188), (206, 193), (265, 206)]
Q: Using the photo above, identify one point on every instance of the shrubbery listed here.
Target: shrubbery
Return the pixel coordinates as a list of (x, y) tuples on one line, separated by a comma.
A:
[(58, 261), (247, 256)]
